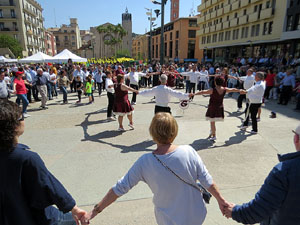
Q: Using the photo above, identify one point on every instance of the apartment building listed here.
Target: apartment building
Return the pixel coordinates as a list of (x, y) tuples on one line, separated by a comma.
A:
[(23, 20), (181, 43), (67, 36), (248, 28), (50, 43), (140, 47)]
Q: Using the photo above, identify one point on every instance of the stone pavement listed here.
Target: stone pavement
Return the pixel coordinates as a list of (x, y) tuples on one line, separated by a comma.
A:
[(88, 155)]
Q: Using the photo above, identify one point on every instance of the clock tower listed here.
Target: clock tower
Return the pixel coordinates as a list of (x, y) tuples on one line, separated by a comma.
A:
[(127, 25), (174, 10)]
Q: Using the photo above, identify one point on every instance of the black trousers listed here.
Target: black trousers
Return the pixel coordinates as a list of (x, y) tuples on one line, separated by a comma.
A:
[(111, 100), (162, 109), (73, 85), (35, 93), (29, 93), (267, 92), (99, 85), (253, 110), (136, 87), (286, 94), (192, 87), (240, 100)]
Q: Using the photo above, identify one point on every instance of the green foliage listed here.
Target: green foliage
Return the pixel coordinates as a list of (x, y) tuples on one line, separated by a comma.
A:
[(123, 53), (7, 41), (116, 32)]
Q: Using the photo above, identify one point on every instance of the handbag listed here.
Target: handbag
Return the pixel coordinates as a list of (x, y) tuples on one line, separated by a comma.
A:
[(205, 194)]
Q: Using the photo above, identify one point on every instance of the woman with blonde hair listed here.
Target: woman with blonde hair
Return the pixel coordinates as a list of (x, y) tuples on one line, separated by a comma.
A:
[(175, 200)]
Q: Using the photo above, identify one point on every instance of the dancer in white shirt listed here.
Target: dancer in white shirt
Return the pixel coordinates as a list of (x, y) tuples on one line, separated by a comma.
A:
[(163, 95)]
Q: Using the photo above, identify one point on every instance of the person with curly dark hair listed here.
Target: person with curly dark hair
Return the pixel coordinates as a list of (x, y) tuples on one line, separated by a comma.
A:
[(27, 189)]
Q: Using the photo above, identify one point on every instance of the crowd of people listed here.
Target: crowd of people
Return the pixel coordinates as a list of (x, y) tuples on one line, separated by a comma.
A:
[(255, 82)]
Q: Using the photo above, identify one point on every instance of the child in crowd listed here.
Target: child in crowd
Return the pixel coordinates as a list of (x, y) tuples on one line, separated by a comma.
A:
[(88, 89), (79, 87)]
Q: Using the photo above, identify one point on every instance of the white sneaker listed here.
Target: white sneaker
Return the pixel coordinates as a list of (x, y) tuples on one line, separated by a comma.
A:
[(26, 115), (133, 103), (212, 138), (121, 129), (253, 132), (239, 109), (244, 127), (111, 119), (131, 126)]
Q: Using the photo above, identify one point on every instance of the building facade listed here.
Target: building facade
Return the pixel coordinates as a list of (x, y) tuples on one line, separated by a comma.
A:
[(127, 25), (50, 43), (23, 20), (67, 36), (241, 28), (181, 44), (140, 48)]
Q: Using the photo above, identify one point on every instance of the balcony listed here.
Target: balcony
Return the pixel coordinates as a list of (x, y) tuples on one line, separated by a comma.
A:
[(213, 14), (219, 26), (30, 11), (200, 32), (227, 8), (266, 13), (200, 19), (214, 2), (243, 20), (235, 5), (207, 17), (29, 32), (206, 30), (6, 29), (226, 25), (208, 3), (6, 18), (201, 7), (234, 22), (253, 17), (213, 28), (220, 12), (253, 1), (244, 3)]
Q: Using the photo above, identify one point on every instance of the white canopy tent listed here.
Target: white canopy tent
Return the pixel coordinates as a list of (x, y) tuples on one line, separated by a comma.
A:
[(5, 60), (65, 55), (36, 58)]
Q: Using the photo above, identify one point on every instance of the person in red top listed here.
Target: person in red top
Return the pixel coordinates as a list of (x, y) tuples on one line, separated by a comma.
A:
[(269, 83), (21, 91)]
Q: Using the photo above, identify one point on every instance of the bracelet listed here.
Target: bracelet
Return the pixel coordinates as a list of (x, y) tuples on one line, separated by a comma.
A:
[(96, 209)]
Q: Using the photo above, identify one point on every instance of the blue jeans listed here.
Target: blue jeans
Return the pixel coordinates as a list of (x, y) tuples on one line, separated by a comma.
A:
[(49, 90), (187, 86), (65, 93), (58, 218), (25, 101)]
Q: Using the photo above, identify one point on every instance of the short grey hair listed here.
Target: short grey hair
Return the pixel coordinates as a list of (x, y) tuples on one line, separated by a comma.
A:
[(260, 75), (39, 70), (163, 78)]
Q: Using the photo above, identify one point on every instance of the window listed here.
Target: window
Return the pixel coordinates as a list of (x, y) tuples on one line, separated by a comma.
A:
[(1, 13), (191, 49), (245, 12), (257, 29), (171, 49), (214, 39), (291, 3), (66, 38), (73, 38), (235, 15), (270, 30), (203, 40), (166, 37), (1, 26), (171, 36), (208, 39), (289, 23), (73, 43), (192, 34), (177, 34), (176, 48), (56, 38), (268, 4), (65, 31), (265, 28), (255, 8), (12, 13), (227, 35), (156, 51), (297, 27), (252, 30), (192, 23), (235, 34), (221, 36), (15, 27)]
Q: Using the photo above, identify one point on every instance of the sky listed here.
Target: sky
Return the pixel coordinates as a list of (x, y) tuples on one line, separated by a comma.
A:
[(92, 13)]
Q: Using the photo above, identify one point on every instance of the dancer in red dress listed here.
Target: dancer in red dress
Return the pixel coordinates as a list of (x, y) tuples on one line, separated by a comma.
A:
[(215, 111), (122, 105)]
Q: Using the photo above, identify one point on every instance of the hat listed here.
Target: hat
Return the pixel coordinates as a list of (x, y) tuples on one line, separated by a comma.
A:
[(297, 130), (19, 73)]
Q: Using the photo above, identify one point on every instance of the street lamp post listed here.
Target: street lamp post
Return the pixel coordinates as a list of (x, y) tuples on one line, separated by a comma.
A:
[(162, 42), (151, 18)]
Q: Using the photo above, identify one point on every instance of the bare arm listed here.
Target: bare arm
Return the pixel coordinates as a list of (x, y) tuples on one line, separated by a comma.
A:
[(126, 88), (229, 90), (214, 190), (205, 92)]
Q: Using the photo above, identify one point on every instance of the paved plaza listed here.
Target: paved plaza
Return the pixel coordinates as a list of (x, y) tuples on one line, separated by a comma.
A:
[(88, 155)]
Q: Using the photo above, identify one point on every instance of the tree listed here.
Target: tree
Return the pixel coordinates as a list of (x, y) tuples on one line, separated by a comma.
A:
[(113, 34), (7, 41)]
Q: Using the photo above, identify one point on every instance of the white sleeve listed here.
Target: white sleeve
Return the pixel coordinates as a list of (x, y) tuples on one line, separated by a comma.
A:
[(177, 94), (126, 75), (133, 176), (148, 93), (186, 74), (142, 74)]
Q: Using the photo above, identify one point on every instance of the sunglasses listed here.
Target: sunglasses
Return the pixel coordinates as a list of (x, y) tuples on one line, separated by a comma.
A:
[(21, 118)]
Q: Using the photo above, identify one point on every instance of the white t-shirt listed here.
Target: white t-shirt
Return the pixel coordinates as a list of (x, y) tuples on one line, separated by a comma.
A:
[(108, 82), (176, 203)]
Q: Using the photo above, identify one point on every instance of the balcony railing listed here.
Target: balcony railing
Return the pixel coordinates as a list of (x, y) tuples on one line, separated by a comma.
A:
[(234, 22), (243, 20), (200, 19), (219, 26), (253, 17), (244, 3), (266, 13), (227, 8), (235, 5), (220, 12)]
